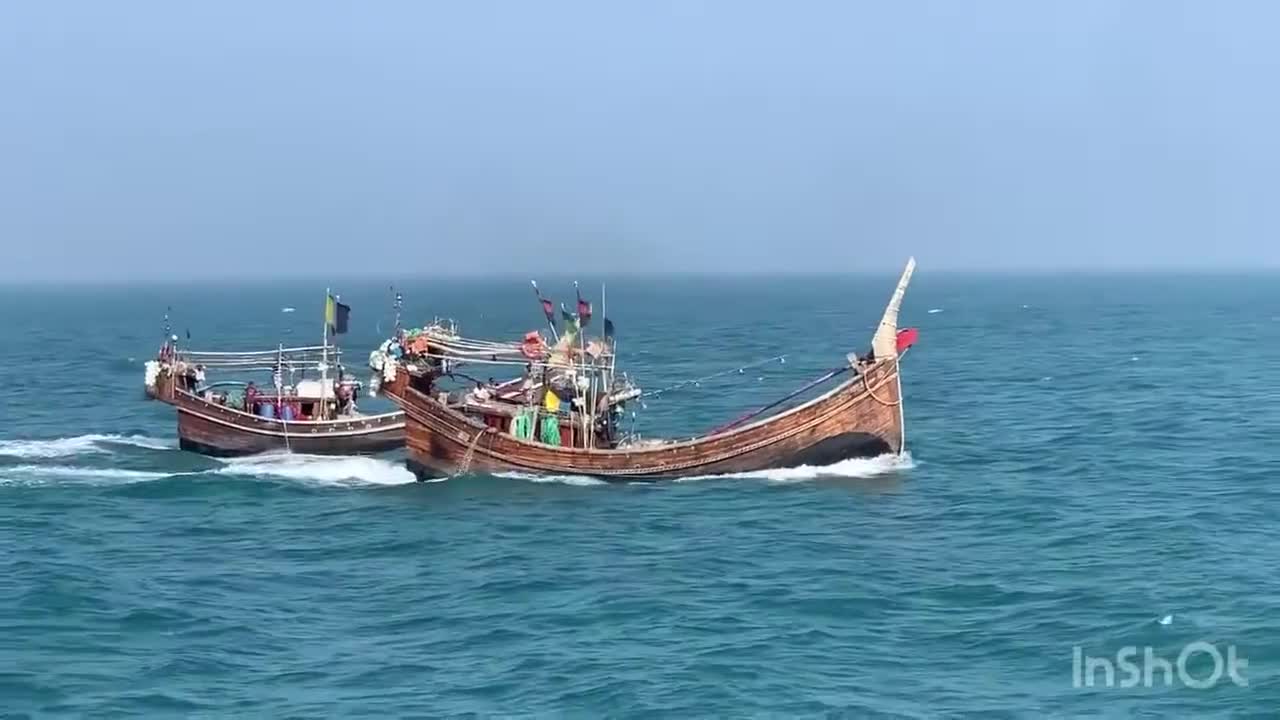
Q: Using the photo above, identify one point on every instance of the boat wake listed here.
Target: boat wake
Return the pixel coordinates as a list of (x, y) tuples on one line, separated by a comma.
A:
[(852, 468), (60, 474), (78, 445), (857, 468), (578, 480), (331, 471)]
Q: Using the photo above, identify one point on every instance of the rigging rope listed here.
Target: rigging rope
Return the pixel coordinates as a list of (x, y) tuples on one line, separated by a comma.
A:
[(465, 465), (696, 381), (808, 386)]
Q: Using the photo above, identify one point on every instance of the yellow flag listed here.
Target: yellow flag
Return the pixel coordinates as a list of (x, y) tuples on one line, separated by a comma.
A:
[(551, 402), (330, 311)]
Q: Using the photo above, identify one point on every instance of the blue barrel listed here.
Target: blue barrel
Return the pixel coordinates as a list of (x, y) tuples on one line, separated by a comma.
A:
[(286, 413), (267, 410)]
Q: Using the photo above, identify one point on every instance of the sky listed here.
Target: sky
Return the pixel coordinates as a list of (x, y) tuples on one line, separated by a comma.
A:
[(146, 140)]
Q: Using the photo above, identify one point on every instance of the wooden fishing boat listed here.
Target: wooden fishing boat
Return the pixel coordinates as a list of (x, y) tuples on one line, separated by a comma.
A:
[(212, 422), (291, 413), (862, 416)]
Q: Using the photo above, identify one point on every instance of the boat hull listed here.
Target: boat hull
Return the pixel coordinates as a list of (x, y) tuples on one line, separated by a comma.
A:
[(201, 433), (860, 418), (212, 429)]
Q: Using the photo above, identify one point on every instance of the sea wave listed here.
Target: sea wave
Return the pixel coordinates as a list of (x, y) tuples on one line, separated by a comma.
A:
[(78, 445), (325, 470)]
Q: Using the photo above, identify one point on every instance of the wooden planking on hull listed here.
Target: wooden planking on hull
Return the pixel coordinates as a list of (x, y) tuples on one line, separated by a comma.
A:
[(198, 434)]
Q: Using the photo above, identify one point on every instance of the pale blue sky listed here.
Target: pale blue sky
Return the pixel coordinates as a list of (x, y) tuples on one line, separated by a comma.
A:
[(163, 138)]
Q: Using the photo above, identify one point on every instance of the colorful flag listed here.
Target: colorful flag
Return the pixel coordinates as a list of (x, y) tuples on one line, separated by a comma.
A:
[(336, 315), (570, 320), (548, 309), (907, 337)]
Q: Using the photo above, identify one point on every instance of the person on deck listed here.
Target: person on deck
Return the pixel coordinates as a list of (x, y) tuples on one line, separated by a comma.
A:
[(481, 393), (250, 397), (344, 399)]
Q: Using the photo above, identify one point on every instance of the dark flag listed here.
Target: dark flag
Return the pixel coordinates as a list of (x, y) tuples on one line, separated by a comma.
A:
[(608, 328), (547, 308), (337, 316), (188, 333)]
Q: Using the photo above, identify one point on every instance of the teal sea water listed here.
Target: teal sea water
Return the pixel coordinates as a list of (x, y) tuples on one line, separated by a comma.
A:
[(1092, 466)]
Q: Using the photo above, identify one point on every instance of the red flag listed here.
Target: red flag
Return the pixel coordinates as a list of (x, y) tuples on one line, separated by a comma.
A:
[(548, 309), (907, 337)]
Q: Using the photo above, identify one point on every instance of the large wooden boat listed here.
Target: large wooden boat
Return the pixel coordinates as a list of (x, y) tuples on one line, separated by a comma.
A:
[(860, 417)]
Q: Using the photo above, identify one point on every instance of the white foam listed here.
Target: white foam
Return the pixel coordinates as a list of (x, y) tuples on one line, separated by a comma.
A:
[(78, 445), (39, 474), (851, 468), (342, 471), (935, 311), (578, 480)]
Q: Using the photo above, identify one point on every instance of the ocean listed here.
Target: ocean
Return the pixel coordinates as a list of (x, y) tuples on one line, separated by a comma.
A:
[(1085, 524)]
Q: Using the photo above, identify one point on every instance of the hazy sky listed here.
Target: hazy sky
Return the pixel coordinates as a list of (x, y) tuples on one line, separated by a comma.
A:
[(140, 139)]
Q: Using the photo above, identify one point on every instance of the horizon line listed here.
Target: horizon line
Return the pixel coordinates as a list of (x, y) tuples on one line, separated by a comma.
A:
[(365, 277)]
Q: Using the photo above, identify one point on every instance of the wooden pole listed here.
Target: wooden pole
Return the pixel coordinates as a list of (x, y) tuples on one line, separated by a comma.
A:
[(554, 335)]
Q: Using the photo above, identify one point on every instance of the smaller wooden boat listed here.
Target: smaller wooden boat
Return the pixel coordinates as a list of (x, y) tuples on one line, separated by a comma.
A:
[(290, 411), (229, 418)]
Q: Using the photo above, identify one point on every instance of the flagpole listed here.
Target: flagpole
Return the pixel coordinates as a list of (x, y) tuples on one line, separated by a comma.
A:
[(542, 306), (324, 361), (398, 303), (604, 313), (589, 412)]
